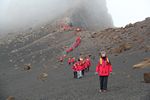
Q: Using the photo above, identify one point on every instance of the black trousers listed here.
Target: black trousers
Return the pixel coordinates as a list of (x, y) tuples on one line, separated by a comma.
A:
[(75, 74), (83, 72), (87, 69), (103, 82)]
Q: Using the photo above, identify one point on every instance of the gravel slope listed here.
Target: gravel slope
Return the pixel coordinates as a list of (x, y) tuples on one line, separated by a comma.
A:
[(42, 51)]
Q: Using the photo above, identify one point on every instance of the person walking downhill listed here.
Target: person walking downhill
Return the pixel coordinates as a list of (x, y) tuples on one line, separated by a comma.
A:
[(74, 68), (79, 69), (87, 63), (69, 60), (82, 65), (73, 60), (103, 69)]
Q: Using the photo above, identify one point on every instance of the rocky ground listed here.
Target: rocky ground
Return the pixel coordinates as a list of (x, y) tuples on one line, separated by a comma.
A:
[(30, 69)]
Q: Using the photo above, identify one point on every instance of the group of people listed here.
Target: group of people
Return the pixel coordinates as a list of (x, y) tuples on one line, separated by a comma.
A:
[(70, 49), (74, 45), (80, 66), (103, 69)]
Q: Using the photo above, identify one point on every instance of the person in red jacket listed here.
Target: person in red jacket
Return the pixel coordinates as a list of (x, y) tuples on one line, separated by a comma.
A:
[(69, 50), (82, 65), (73, 59), (77, 42), (103, 69), (69, 60), (74, 68), (79, 68), (87, 63), (61, 59)]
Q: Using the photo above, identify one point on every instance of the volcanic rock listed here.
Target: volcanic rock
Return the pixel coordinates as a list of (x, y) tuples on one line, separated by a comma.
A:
[(147, 77)]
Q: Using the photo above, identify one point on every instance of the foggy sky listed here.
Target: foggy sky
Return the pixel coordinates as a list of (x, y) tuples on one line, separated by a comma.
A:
[(93, 15), (128, 11), (17, 14)]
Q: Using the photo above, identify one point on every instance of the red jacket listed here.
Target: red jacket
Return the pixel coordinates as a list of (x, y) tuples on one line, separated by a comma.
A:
[(76, 44), (69, 50), (78, 39), (74, 67), (104, 69), (61, 59), (79, 66), (72, 60), (88, 62), (69, 61)]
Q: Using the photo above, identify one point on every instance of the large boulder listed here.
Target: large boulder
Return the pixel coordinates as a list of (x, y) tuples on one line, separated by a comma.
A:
[(143, 64), (10, 98), (147, 77), (123, 47)]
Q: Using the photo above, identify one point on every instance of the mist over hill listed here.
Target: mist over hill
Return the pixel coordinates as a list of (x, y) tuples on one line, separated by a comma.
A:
[(20, 15), (38, 37)]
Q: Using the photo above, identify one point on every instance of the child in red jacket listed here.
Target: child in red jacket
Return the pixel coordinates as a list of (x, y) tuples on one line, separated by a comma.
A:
[(69, 60), (103, 69), (74, 68), (87, 63), (80, 69), (73, 59), (82, 65)]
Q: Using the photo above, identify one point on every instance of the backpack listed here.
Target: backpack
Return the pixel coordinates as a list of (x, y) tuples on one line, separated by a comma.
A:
[(102, 60)]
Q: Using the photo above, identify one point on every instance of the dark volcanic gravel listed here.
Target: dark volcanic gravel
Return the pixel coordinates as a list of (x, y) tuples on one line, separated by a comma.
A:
[(42, 52)]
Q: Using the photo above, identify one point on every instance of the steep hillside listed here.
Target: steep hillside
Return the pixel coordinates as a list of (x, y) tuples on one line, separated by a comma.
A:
[(40, 49)]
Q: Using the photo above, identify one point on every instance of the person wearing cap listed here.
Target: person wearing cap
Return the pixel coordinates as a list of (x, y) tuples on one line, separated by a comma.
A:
[(103, 69)]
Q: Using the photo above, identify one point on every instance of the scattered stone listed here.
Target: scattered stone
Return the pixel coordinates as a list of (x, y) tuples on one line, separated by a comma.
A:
[(42, 27), (41, 52), (27, 67), (15, 65), (43, 59), (125, 46), (115, 37), (147, 77), (117, 50), (124, 61), (147, 48), (93, 35), (128, 76), (122, 48), (145, 59), (11, 60), (13, 51), (129, 25), (16, 68), (43, 76), (10, 98), (33, 57), (143, 64), (55, 67), (9, 41), (22, 60)]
